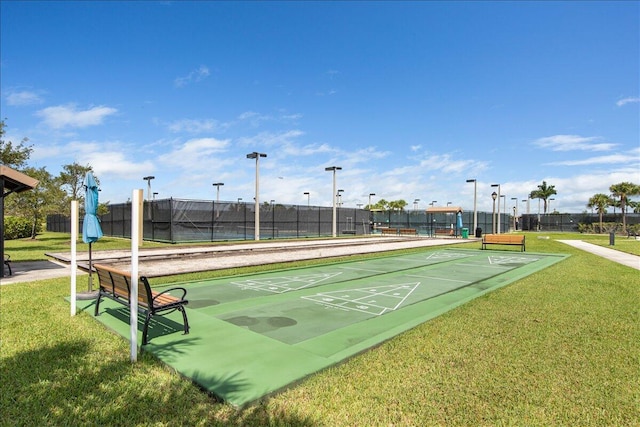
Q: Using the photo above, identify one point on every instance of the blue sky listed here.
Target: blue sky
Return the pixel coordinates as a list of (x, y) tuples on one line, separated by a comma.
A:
[(411, 99)]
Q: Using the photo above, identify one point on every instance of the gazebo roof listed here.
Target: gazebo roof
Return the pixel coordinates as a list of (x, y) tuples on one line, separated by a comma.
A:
[(15, 181), (442, 209)]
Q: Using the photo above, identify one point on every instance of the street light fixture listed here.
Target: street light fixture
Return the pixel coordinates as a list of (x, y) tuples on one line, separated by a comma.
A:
[(549, 205), (148, 179), (498, 185), (415, 204), (370, 194), (475, 203), (256, 155), (515, 213), (154, 195), (433, 202), (448, 203), (333, 169), (306, 193), (494, 196)]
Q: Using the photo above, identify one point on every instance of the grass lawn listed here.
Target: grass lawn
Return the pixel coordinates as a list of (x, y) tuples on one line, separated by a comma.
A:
[(560, 347)]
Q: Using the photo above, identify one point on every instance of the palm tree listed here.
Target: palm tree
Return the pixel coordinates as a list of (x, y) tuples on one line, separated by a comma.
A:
[(543, 192), (622, 191), (600, 202)]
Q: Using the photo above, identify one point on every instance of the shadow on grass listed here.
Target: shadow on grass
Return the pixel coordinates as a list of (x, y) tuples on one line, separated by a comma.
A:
[(61, 385)]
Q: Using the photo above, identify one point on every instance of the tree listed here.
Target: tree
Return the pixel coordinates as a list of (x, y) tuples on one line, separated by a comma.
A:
[(13, 156), (397, 205), (600, 202), (622, 191), (37, 203), (543, 192)]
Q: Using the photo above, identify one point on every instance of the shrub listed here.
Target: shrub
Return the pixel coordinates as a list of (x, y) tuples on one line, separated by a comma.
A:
[(16, 227)]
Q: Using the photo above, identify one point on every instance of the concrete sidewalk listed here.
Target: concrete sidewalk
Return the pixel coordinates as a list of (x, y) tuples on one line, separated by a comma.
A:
[(623, 258)]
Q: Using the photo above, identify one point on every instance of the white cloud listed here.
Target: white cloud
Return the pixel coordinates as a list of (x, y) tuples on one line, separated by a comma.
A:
[(573, 142), (63, 116), (193, 125), (196, 75), (23, 98), (629, 100), (195, 153)]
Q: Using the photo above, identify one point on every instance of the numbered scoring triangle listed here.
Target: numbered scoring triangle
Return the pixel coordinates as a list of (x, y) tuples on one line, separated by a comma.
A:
[(286, 283), (375, 300)]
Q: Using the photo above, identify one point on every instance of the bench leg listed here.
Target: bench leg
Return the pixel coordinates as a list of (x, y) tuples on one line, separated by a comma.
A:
[(146, 327), (96, 312), (184, 318)]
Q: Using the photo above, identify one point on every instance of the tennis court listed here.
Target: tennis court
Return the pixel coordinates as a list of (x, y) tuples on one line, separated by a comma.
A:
[(253, 335)]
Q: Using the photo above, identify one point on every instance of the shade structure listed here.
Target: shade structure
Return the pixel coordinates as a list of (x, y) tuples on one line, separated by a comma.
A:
[(91, 230)]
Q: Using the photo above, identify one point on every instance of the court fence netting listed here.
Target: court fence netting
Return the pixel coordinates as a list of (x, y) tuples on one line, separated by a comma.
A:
[(180, 220)]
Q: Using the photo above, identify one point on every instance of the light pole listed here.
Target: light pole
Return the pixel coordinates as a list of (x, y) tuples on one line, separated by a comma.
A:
[(306, 193), (448, 203), (217, 185), (370, 194), (494, 196), (498, 227), (504, 211), (339, 196), (475, 203), (154, 195), (256, 155), (433, 202), (415, 204), (515, 213), (549, 205), (334, 169), (148, 179)]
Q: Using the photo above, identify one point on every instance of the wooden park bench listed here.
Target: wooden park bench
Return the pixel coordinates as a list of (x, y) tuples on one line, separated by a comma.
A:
[(407, 232), (387, 230), (444, 232), (7, 262), (115, 284), (503, 239)]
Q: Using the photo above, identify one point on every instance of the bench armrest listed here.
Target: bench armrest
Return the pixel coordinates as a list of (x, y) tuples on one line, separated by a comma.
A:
[(184, 292)]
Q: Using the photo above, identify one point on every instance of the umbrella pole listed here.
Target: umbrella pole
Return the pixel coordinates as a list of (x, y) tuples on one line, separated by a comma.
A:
[(90, 271)]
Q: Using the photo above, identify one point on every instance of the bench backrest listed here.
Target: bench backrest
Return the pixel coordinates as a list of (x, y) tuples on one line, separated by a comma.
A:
[(118, 283), (504, 238)]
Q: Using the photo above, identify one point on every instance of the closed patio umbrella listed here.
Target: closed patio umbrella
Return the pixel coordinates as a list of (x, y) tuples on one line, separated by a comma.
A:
[(91, 230)]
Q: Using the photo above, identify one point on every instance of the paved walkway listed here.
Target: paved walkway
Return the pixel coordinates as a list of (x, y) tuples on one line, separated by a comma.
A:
[(629, 260)]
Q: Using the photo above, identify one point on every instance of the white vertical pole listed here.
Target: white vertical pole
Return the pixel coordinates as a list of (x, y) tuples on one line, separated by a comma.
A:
[(333, 222), (256, 224), (136, 207), (74, 254)]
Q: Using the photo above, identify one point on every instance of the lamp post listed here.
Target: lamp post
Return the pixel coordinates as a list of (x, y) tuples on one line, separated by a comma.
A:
[(217, 185), (433, 203), (370, 194), (339, 196), (415, 204), (256, 155), (494, 196), (504, 211), (515, 213), (148, 179), (448, 203), (498, 227), (333, 169), (154, 195), (475, 203), (306, 193), (549, 205)]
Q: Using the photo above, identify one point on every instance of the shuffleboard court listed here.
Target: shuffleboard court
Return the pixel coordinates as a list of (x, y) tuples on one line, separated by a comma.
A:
[(253, 335)]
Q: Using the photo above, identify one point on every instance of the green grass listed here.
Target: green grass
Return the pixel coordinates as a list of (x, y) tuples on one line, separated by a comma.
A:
[(560, 347)]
